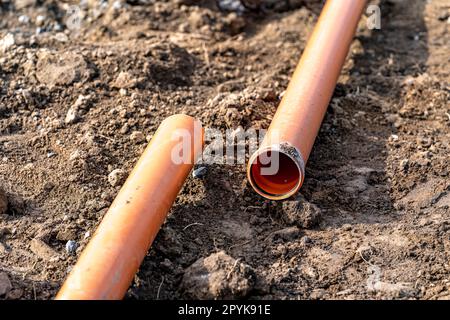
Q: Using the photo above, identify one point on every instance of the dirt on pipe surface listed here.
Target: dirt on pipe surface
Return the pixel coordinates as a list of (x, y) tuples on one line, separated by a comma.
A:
[(80, 98)]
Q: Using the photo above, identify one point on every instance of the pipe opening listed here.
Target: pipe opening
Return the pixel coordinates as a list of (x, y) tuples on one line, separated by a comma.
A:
[(274, 174)]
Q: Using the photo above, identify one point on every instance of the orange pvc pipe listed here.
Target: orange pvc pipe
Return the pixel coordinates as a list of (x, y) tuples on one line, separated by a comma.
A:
[(109, 262), (291, 135)]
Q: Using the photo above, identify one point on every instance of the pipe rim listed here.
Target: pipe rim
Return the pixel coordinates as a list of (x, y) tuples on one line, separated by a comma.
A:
[(293, 154)]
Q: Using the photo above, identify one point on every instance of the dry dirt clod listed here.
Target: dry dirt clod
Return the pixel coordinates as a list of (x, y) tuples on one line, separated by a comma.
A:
[(218, 276), (41, 249), (61, 69), (300, 212), (5, 284), (125, 80), (3, 202), (116, 177), (66, 234)]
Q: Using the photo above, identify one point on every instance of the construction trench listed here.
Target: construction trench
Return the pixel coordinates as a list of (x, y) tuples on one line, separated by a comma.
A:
[(317, 244)]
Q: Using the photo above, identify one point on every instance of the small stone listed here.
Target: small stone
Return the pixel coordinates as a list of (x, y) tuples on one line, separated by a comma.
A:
[(41, 249), (51, 154), (72, 115), (116, 177), (40, 20), (200, 172), (123, 92), (61, 37), (58, 27), (7, 42), (394, 138), (125, 128), (125, 80), (87, 235), (117, 5), (71, 247), (137, 137), (3, 202), (218, 276), (24, 19), (5, 284)]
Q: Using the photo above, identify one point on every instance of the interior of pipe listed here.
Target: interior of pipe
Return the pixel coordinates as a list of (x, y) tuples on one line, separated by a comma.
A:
[(284, 181)]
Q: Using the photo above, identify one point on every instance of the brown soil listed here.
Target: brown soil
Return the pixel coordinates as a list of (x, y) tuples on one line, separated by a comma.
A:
[(373, 218)]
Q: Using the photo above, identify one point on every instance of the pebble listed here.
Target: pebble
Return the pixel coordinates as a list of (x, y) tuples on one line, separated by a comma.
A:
[(116, 177), (199, 172), (24, 19), (123, 92), (125, 80), (3, 202), (394, 138), (5, 284), (71, 246), (137, 137), (117, 5), (72, 115), (40, 20), (58, 27), (51, 154), (7, 42), (61, 37), (231, 5)]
